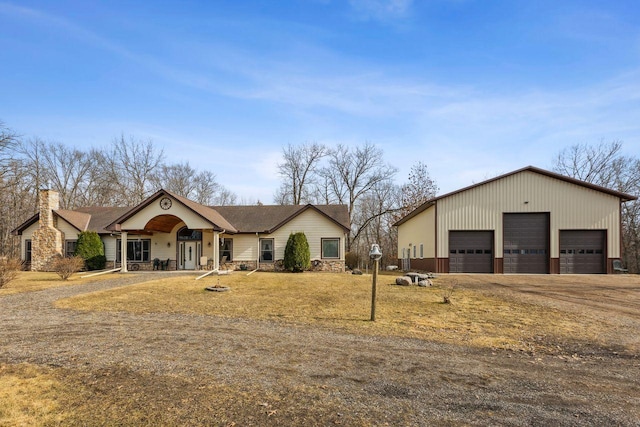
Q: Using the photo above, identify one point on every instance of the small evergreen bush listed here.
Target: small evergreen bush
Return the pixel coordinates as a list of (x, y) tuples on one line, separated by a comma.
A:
[(89, 247), (297, 256)]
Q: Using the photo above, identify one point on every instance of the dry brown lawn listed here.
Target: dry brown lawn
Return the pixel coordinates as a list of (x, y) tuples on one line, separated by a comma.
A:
[(483, 313), (31, 281), (523, 350)]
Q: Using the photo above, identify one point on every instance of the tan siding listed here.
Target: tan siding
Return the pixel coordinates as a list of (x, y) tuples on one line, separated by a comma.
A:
[(419, 230), (245, 247), (315, 227), (571, 207), (26, 235), (69, 231), (109, 247), (140, 219)]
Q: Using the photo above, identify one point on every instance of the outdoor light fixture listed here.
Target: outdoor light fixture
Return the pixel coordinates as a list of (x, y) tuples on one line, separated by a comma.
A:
[(375, 255), (168, 244), (209, 244)]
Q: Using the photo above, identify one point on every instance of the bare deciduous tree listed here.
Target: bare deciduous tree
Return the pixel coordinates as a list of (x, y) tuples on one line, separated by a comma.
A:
[(67, 170), (176, 178), (603, 164), (17, 203), (122, 174), (298, 172), (590, 163), (8, 143), (353, 172), (419, 188), (373, 222), (132, 163)]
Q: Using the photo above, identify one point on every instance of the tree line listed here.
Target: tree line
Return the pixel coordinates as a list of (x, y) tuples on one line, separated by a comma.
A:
[(359, 178), (124, 173), (129, 170), (604, 164)]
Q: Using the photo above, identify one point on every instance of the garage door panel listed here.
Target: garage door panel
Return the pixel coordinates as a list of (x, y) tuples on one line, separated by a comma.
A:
[(582, 251), (526, 243), (471, 251)]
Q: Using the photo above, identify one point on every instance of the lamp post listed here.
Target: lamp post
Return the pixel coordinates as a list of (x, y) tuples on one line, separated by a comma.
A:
[(375, 255)]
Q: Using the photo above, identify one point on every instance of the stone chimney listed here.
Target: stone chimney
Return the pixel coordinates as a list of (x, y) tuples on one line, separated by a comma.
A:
[(46, 241), (48, 201)]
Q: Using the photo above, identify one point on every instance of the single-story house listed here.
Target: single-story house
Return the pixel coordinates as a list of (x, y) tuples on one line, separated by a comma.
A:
[(527, 221), (173, 232)]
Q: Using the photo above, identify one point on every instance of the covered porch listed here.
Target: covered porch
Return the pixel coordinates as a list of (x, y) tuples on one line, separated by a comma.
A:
[(168, 233)]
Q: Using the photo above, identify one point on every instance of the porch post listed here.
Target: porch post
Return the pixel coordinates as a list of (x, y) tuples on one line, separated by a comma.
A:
[(216, 250), (123, 251)]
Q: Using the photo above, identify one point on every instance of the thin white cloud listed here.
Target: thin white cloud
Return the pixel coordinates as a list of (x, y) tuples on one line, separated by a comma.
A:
[(381, 10)]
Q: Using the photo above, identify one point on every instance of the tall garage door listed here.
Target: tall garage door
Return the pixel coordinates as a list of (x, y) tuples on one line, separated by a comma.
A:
[(471, 251), (526, 243), (582, 251)]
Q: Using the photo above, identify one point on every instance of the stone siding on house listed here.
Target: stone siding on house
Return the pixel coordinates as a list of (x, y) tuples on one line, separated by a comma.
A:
[(47, 240)]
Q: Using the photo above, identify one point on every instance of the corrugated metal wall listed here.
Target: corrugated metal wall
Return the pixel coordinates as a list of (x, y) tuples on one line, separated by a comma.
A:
[(419, 230), (571, 207)]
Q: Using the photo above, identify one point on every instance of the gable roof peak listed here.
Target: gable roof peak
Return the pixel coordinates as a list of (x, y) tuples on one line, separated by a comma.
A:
[(623, 196)]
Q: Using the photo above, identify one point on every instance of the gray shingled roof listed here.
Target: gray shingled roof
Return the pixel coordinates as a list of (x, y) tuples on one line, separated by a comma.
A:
[(268, 218), (80, 220), (232, 219), (101, 217)]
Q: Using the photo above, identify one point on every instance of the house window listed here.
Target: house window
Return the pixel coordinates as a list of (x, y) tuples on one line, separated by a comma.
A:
[(414, 251), (70, 247), (27, 250), (421, 250), (226, 249), (266, 250), (187, 235), (331, 248), (403, 253), (137, 250)]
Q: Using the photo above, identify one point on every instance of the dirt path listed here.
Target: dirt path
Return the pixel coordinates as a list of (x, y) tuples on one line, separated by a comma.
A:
[(378, 380)]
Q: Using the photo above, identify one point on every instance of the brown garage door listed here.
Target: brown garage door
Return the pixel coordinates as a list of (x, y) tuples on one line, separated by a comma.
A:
[(471, 251), (582, 251), (526, 243)]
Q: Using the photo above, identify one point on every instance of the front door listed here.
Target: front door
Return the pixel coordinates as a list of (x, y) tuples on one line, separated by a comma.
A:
[(188, 255)]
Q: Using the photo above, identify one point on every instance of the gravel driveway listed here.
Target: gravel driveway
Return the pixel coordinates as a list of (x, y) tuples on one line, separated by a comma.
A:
[(383, 380)]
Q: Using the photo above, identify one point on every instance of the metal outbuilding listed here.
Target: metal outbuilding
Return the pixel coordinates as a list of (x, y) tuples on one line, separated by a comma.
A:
[(527, 221)]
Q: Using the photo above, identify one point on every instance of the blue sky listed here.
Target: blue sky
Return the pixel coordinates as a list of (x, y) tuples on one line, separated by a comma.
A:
[(473, 88)]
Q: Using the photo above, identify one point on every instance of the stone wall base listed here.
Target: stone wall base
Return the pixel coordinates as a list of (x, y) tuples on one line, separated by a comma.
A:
[(333, 266)]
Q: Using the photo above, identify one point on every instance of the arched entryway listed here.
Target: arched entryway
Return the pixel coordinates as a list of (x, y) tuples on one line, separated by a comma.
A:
[(189, 248)]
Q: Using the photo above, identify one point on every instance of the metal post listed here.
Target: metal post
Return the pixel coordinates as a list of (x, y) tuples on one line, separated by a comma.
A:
[(374, 287), (375, 255)]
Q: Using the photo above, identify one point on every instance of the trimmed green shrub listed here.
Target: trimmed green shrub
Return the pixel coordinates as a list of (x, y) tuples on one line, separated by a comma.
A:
[(297, 256), (89, 247)]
